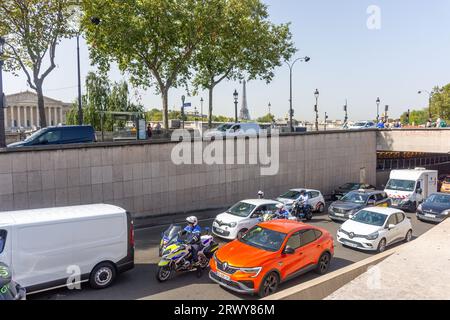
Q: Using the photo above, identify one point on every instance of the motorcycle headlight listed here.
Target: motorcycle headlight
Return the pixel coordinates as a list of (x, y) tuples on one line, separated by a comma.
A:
[(233, 224), (373, 236), (254, 272)]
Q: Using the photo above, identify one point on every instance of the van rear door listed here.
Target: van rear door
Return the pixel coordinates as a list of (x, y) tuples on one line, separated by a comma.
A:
[(5, 245)]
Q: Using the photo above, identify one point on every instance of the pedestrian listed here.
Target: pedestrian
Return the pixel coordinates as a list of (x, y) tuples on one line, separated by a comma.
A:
[(149, 131), (429, 124), (381, 125), (438, 122), (158, 128)]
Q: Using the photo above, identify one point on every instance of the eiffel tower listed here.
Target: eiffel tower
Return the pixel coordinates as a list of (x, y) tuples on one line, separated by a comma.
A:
[(244, 114)]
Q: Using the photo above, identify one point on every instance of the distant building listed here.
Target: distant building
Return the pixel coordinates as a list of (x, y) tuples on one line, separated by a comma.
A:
[(22, 112)]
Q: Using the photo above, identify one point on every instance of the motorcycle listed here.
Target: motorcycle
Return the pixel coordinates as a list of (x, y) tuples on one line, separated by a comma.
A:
[(269, 216), (169, 237), (176, 256), (301, 211), (9, 290)]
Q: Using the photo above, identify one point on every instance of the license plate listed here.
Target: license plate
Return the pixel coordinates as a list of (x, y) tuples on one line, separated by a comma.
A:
[(339, 215), (219, 231), (351, 244), (223, 276), (430, 216)]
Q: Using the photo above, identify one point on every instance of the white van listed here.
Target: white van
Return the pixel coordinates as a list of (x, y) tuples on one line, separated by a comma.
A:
[(52, 248), (234, 130), (408, 188)]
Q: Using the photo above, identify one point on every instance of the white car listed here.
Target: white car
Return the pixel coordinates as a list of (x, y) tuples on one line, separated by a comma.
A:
[(315, 199), (363, 125), (241, 217), (234, 130), (373, 229)]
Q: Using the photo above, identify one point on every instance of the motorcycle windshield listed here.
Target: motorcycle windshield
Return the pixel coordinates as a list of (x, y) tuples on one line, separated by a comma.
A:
[(172, 233)]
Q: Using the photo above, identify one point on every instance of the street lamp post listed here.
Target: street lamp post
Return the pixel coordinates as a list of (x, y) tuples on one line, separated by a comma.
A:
[(201, 108), (235, 95), (2, 98), (378, 109), (270, 106), (316, 108), (346, 112), (80, 107), (430, 95), (326, 118), (183, 99), (386, 116), (291, 66)]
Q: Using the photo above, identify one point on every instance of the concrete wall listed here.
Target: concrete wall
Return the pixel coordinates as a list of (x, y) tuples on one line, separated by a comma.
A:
[(420, 140), (141, 177)]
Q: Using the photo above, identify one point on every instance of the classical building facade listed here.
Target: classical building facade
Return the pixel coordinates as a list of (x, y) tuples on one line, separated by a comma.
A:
[(22, 112)]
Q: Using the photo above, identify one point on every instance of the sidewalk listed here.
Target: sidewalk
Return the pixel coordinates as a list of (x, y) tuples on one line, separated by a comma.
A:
[(178, 218)]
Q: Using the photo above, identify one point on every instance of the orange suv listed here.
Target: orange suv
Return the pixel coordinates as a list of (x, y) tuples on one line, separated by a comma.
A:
[(271, 253)]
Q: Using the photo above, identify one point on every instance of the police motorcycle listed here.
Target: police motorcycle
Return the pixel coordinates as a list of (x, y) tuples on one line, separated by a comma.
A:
[(301, 211), (176, 256), (9, 290)]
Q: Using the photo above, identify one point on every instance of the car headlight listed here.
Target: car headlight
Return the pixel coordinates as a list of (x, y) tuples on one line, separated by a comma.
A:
[(419, 208), (233, 225), (446, 213), (353, 211), (373, 236), (254, 272), (331, 207)]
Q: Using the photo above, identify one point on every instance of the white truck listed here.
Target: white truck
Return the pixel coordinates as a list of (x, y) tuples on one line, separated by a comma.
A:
[(408, 188), (57, 247)]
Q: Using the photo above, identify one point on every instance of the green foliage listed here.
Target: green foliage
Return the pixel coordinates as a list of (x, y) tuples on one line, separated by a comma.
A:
[(268, 118), (102, 95), (33, 29), (243, 43), (417, 117)]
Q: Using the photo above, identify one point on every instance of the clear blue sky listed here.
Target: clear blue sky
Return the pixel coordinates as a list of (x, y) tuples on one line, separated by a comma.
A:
[(411, 51)]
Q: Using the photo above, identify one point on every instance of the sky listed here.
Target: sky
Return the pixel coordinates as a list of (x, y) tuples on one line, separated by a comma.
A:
[(357, 53)]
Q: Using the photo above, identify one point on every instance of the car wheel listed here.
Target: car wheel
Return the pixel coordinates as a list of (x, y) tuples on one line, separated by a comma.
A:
[(103, 275), (241, 233), (269, 285), (408, 236), (382, 245), (324, 263)]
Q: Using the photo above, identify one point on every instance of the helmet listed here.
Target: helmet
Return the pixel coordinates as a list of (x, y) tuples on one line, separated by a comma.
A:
[(303, 192), (280, 206), (192, 220), (261, 194)]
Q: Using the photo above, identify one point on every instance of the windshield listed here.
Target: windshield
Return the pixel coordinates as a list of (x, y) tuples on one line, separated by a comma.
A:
[(241, 209), (370, 218), (34, 135), (401, 185), (292, 195), (265, 239), (172, 231), (350, 186), (355, 197), (224, 127), (447, 180), (439, 199), (360, 124)]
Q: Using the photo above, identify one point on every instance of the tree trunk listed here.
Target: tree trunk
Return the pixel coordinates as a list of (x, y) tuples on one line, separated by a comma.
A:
[(165, 101), (41, 106), (210, 89)]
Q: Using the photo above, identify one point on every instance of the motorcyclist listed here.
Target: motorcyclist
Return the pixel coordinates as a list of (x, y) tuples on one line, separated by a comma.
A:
[(303, 200), (282, 212), (193, 231)]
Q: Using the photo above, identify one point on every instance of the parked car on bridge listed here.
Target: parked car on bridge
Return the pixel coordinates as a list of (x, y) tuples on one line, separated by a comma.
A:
[(354, 201), (351, 186), (363, 125), (271, 253), (436, 208), (408, 188), (234, 130), (242, 217), (373, 229), (315, 199), (445, 184), (57, 136)]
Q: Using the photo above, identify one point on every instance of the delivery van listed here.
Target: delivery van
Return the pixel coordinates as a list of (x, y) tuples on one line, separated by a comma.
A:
[(57, 247), (408, 188)]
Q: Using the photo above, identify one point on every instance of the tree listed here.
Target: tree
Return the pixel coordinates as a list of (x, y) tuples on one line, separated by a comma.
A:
[(418, 117), (268, 118), (440, 102), (33, 29), (242, 44), (152, 40)]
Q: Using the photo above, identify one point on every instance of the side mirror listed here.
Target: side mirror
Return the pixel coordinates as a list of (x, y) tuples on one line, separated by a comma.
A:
[(419, 191), (350, 216), (289, 250), (391, 226)]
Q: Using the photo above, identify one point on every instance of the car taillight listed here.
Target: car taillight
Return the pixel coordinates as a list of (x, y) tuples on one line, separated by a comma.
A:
[(132, 234)]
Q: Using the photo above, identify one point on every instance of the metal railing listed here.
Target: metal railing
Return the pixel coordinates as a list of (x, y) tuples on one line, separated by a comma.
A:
[(411, 163)]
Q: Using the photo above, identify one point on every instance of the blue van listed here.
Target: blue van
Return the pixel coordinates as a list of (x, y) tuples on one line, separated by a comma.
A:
[(58, 135)]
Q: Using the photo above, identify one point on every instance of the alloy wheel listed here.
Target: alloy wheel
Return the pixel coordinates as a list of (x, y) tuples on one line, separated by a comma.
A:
[(270, 284)]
